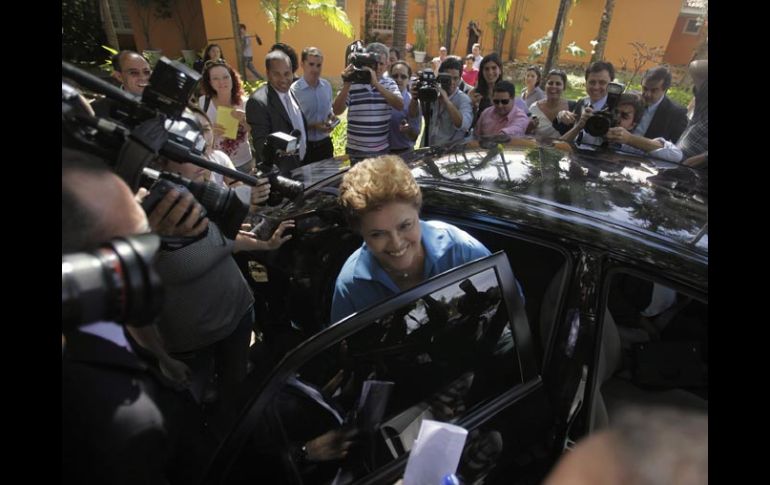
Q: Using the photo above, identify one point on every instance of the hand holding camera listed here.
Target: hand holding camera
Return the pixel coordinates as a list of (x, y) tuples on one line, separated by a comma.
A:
[(176, 213)]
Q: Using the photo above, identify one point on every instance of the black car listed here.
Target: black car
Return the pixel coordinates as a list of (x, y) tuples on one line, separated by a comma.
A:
[(611, 251)]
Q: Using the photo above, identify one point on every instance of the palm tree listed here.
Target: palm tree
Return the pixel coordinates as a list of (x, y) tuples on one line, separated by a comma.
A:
[(109, 28), (604, 27), (558, 33), (285, 17), (400, 21), (503, 10)]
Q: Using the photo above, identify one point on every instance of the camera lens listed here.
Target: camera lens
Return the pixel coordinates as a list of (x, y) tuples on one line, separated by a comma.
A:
[(113, 283), (598, 124)]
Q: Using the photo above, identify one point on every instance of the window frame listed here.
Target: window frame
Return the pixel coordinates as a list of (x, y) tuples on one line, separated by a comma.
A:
[(233, 444)]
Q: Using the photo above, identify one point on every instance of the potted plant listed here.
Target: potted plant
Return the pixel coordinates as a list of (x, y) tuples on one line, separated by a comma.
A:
[(419, 42), (184, 18)]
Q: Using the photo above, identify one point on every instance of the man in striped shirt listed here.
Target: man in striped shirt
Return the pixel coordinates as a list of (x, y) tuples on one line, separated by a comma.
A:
[(369, 108)]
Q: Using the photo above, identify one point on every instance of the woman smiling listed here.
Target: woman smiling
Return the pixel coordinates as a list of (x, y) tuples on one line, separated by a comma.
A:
[(382, 203)]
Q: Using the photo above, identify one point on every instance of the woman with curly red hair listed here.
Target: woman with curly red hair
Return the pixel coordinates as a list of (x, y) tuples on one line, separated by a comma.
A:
[(222, 88)]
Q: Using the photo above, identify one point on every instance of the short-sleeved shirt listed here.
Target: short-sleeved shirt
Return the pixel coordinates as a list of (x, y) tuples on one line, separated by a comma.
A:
[(363, 281), (369, 116)]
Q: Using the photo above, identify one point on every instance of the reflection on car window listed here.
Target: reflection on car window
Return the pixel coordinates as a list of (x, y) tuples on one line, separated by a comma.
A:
[(436, 357)]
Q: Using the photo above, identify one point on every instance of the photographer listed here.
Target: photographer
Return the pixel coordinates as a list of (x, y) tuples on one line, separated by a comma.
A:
[(453, 113), (369, 104), (207, 313), (120, 421), (598, 76), (629, 111)]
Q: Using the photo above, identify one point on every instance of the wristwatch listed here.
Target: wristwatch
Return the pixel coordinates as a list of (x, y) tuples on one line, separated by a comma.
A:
[(300, 454)]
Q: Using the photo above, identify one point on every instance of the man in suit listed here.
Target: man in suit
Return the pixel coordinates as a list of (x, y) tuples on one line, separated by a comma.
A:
[(662, 117), (274, 108), (598, 75)]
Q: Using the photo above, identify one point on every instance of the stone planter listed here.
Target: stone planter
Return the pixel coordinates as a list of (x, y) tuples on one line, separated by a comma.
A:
[(152, 56), (189, 56), (419, 56)]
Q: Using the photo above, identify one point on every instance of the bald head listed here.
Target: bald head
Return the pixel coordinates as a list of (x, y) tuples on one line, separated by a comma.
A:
[(132, 71), (97, 206)]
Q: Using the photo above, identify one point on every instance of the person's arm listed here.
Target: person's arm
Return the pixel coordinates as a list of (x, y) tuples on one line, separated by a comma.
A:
[(149, 338), (392, 96), (247, 241), (451, 109), (573, 132), (258, 118), (414, 103), (621, 135), (697, 161), (341, 101)]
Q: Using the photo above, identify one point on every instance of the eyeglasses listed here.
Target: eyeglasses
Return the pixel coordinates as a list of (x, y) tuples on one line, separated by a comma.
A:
[(399, 76), (501, 101)]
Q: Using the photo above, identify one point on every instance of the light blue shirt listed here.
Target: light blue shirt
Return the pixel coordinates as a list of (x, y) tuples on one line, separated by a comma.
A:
[(649, 113), (441, 126), (315, 103), (363, 282)]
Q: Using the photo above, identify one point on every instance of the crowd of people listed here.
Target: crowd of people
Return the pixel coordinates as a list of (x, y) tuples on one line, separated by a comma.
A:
[(197, 351)]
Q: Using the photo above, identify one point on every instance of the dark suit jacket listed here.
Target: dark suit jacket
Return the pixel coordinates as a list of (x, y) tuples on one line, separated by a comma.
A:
[(119, 423), (669, 121), (266, 114)]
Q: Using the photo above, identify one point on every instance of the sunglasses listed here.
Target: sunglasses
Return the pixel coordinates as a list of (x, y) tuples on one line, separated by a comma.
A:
[(218, 62), (501, 101), (399, 76)]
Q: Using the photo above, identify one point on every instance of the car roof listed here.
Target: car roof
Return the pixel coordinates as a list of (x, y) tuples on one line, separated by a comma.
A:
[(662, 200), (659, 200)]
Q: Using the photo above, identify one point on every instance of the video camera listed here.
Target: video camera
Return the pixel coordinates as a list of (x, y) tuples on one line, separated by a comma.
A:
[(279, 145), (428, 85), (159, 124), (601, 121), (357, 55), (115, 282)]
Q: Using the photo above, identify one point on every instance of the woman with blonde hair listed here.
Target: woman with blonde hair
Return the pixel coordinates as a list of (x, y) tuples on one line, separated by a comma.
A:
[(382, 202)]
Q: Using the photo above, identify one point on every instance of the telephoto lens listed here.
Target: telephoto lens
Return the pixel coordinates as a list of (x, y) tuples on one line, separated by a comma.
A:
[(115, 282)]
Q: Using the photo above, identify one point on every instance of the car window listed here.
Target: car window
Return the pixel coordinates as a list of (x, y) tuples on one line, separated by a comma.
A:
[(438, 356), (654, 346)]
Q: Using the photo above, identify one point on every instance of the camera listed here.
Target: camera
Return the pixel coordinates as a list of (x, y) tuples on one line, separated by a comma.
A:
[(115, 282), (601, 121), (221, 204), (427, 86), (279, 145), (357, 55)]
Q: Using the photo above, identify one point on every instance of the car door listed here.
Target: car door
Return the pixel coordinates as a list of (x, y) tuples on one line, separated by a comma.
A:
[(456, 348)]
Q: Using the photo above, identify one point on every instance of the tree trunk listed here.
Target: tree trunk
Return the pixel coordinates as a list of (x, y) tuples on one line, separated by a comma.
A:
[(400, 21), (449, 25), (500, 32), (558, 30), (459, 29), (237, 37), (604, 27), (109, 28), (518, 17), (438, 26)]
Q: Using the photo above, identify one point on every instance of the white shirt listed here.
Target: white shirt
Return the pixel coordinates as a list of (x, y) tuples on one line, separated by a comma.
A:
[(110, 331), (649, 113), (295, 115)]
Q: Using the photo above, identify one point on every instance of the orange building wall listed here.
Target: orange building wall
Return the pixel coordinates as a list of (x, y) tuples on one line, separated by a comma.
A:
[(680, 45), (309, 31), (649, 21), (165, 34)]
